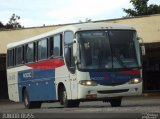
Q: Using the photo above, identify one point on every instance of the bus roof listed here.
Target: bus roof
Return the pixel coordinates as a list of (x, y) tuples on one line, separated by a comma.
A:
[(74, 28)]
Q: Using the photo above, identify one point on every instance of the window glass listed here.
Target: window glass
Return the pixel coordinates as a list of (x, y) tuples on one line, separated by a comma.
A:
[(69, 56), (68, 51), (57, 45), (51, 46), (42, 49), (95, 52), (68, 37), (30, 52), (19, 55), (108, 49), (123, 48), (10, 58)]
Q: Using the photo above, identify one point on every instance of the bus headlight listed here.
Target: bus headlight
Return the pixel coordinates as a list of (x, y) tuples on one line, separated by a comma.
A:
[(88, 83), (135, 80)]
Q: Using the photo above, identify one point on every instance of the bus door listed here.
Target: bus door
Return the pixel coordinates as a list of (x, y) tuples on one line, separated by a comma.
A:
[(73, 82), (70, 62), (73, 76)]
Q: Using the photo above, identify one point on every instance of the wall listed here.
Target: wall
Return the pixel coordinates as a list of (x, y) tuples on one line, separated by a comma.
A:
[(9, 36), (148, 28)]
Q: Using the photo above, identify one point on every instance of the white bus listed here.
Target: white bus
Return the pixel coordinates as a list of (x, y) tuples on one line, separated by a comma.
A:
[(82, 62)]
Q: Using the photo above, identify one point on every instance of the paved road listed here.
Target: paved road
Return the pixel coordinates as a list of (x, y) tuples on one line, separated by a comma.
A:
[(132, 105)]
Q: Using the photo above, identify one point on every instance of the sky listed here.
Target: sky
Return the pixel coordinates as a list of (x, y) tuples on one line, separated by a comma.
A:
[(52, 12)]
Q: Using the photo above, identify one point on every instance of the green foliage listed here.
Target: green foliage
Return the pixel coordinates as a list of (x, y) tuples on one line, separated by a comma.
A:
[(1, 25), (154, 9), (13, 22), (141, 8)]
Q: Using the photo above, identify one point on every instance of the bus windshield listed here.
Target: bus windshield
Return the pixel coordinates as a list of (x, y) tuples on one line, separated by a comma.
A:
[(112, 49)]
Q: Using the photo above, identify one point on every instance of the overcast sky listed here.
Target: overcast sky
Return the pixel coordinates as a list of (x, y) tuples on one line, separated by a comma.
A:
[(52, 12)]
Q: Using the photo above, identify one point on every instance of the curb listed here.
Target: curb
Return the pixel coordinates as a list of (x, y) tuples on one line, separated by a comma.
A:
[(151, 94)]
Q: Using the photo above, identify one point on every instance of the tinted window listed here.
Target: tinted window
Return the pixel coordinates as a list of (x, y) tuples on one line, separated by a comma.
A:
[(69, 56), (57, 45), (19, 55), (10, 58), (42, 49), (68, 37), (68, 51), (107, 49), (51, 46), (123, 48), (95, 51), (30, 52)]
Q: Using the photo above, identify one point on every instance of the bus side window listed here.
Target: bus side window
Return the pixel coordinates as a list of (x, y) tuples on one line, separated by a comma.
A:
[(19, 55), (55, 46), (42, 49), (29, 52), (10, 58)]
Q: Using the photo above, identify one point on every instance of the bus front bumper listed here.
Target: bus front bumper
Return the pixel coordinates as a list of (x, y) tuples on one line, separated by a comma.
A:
[(101, 92)]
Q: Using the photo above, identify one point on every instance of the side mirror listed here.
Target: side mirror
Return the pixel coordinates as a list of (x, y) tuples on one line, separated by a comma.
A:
[(139, 38), (142, 47), (76, 51), (143, 50)]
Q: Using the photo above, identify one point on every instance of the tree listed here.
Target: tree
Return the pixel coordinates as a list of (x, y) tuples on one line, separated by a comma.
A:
[(1, 25), (13, 22), (154, 9), (141, 8)]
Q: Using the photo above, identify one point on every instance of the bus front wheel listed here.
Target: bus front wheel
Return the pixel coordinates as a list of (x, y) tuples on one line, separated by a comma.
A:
[(27, 103), (67, 103), (116, 102)]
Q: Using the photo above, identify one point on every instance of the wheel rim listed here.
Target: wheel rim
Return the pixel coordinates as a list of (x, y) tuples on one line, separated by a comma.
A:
[(26, 100), (64, 96)]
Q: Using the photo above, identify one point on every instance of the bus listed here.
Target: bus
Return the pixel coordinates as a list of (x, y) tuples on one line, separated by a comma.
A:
[(75, 63)]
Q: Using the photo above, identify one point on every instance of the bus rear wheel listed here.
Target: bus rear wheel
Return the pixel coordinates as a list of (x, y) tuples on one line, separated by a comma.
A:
[(28, 104), (116, 102), (67, 103)]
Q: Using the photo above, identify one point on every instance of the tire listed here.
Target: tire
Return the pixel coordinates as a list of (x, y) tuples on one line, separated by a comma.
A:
[(28, 104), (67, 103), (116, 102), (75, 103)]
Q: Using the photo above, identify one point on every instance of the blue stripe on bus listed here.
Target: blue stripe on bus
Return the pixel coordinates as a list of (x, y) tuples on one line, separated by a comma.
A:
[(39, 84), (112, 77)]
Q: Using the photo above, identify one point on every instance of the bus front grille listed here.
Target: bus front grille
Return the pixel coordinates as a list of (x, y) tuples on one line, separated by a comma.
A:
[(113, 91)]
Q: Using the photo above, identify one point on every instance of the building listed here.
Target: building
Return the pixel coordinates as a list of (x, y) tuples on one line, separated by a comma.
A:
[(148, 28)]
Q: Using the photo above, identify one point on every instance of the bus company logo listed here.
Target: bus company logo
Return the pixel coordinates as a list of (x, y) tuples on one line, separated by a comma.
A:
[(100, 78), (27, 75), (97, 78)]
